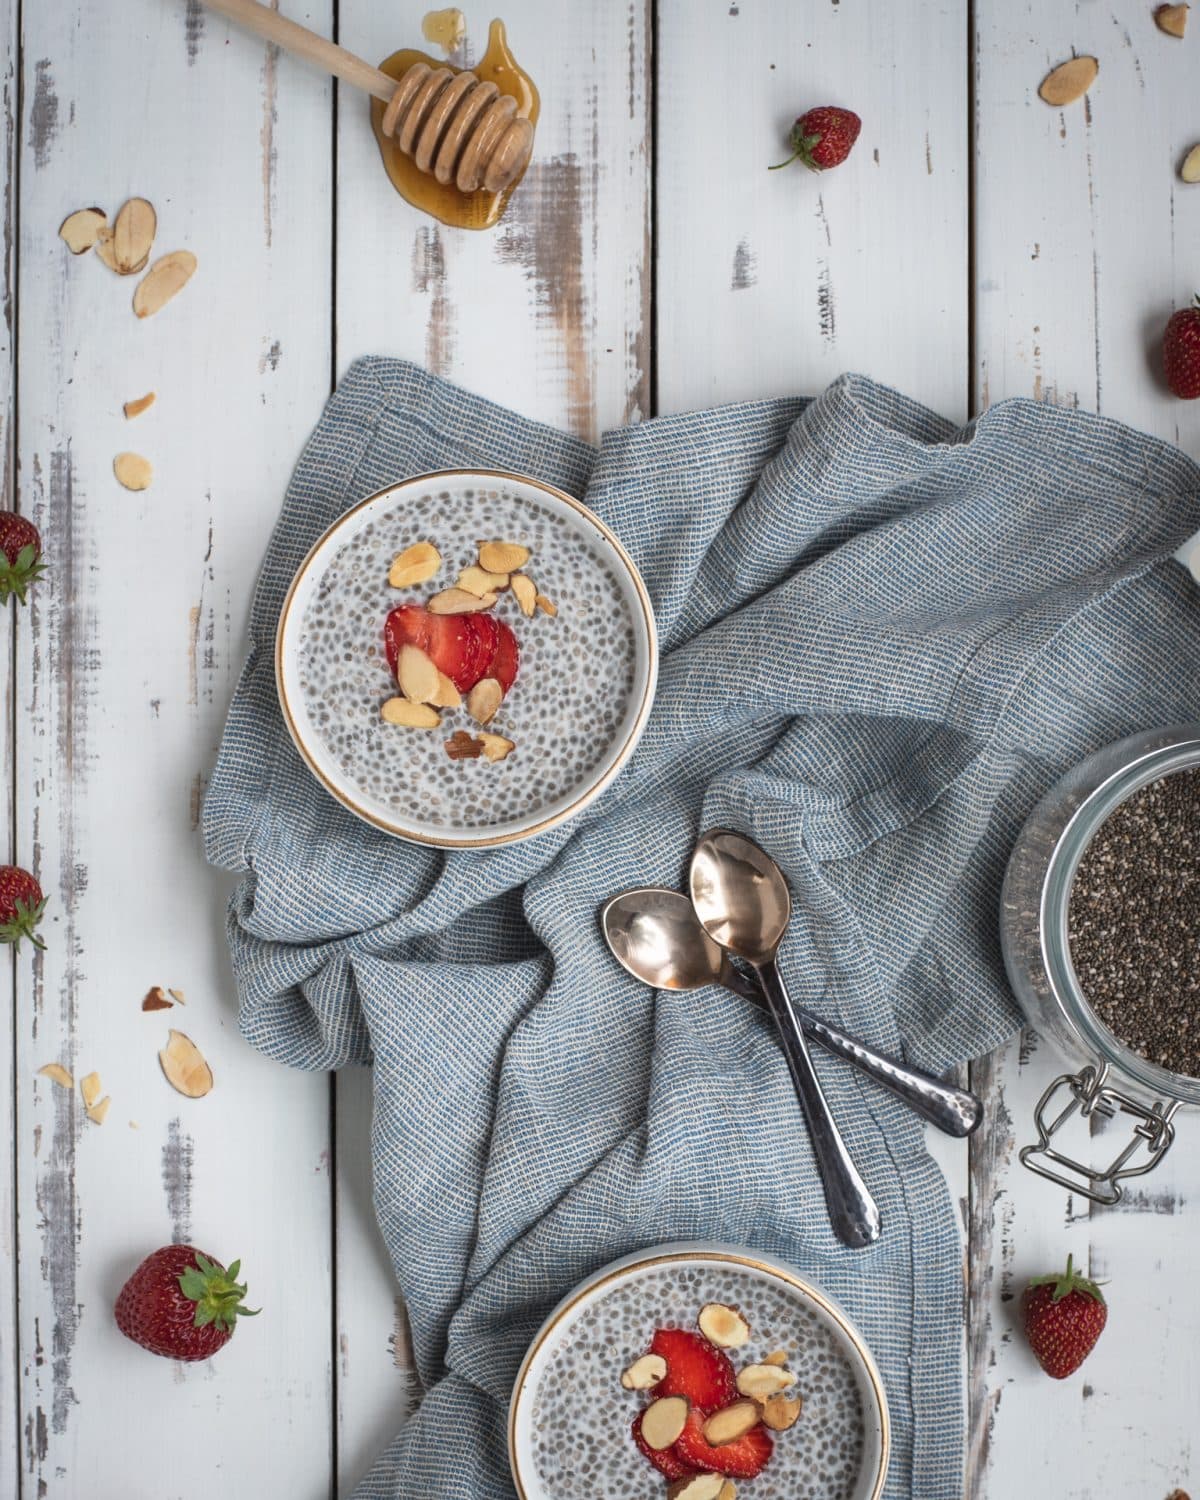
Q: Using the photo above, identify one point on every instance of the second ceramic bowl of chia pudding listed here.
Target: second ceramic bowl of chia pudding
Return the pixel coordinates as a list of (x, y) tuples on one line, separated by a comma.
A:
[(564, 637), (734, 1330)]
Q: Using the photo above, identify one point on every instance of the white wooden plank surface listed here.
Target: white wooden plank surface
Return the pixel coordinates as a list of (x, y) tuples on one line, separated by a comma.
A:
[(9, 1426), (126, 662), (766, 284), (1084, 240), (548, 313), (777, 282)]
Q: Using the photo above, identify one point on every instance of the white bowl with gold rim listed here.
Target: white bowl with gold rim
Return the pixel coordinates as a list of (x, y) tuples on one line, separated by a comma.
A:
[(570, 1419), (575, 711)]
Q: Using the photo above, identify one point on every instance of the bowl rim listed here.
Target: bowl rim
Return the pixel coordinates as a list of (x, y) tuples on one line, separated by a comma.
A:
[(702, 1250), (647, 630)]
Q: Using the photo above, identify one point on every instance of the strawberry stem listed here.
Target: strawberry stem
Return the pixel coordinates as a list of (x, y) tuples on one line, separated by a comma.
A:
[(1068, 1281), (22, 924), (216, 1292)]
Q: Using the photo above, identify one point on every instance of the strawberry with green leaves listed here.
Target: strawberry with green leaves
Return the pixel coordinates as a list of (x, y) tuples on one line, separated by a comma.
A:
[(181, 1303), (822, 138), (21, 906), (1064, 1316), (20, 555)]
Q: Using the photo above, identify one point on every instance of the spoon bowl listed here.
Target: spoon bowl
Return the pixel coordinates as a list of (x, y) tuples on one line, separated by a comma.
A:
[(740, 895), (653, 932)]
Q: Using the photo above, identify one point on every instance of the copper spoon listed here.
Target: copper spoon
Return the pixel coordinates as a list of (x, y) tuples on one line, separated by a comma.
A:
[(743, 902), (655, 934)]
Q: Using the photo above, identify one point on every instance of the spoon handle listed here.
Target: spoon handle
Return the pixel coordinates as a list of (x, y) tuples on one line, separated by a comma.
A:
[(853, 1213), (954, 1111)]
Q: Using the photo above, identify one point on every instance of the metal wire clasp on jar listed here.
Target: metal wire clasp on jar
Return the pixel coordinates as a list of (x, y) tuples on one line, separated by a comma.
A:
[(1109, 1078)]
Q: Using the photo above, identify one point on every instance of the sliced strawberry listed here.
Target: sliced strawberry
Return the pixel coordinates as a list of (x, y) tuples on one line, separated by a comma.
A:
[(742, 1459), (406, 626), (506, 659), (695, 1369), (487, 635), (663, 1459), (454, 648)]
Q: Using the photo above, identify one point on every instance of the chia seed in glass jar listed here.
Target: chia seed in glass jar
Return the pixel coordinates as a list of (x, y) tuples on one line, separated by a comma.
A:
[(1134, 922)]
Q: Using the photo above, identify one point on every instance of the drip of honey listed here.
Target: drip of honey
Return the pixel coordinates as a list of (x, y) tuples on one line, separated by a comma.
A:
[(479, 210)]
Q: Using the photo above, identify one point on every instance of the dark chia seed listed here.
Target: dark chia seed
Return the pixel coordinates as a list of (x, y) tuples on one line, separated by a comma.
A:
[(1134, 922)]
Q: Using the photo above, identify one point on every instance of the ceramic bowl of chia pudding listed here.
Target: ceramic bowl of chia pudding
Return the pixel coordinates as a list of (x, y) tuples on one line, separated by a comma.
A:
[(571, 1419), (576, 669)]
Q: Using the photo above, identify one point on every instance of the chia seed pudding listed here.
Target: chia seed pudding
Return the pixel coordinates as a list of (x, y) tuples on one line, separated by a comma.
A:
[(565, 710), (1134, 922), (581, 1418)]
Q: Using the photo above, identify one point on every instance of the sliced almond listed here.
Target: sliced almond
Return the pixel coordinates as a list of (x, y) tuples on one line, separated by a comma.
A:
[(156, 999), (56, 1073), (165, 278), (479, 581), (496, 747), (723, 1326), (104, 247), (184, 1065), (447, 695), (1190, 171), (89, 1088), (728, 1491), (136, 408), (416, 564), (464, 746), (96, 1112), (417, 675), (484, 699), (1069, 81), (761, 1381), (177, 996), (134, 229), (779, 1412), (731, 1423), (79, 230), (547, 606), (776, 1357), (133, 471), (502, 557), (1172, 19), (411, 715), (459, 602), (644, 1372), (663, 1421), (524, 592), (698, 1487)]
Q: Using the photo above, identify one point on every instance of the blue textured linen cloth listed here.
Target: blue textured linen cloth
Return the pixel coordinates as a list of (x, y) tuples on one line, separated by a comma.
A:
[(883, 637)]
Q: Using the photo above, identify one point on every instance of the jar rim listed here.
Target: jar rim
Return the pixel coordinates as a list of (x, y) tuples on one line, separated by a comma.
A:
[(1150, 765)]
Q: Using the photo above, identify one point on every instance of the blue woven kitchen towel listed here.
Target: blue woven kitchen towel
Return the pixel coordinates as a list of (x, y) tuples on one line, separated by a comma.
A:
[(883, 637)]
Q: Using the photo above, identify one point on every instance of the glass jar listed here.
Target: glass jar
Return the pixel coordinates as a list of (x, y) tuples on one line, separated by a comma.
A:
[(1108, 1078)]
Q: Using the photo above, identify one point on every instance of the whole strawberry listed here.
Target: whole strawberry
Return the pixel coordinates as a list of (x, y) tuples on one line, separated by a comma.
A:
[(20, 555), (1064, 1316), (181, 1303), (822, 137), (21, 906), (1181, 351)]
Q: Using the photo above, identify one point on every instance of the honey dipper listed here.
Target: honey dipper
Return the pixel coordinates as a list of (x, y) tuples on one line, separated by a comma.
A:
[(455, 126)]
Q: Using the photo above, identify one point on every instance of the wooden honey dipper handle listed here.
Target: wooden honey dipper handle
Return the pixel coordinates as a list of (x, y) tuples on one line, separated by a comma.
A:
[(454, 125)]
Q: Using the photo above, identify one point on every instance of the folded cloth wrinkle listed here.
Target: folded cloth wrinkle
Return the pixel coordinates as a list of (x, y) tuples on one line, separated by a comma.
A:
[(883, 638)]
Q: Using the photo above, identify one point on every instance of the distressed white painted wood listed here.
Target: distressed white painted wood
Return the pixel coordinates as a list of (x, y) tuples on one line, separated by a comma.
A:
[(1085, 242), (549, 313), (767, 283), (9, 1443), (772, 283), (126, 661)]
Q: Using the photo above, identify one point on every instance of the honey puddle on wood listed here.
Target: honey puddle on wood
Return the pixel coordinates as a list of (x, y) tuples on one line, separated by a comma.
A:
[(479, 210)]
